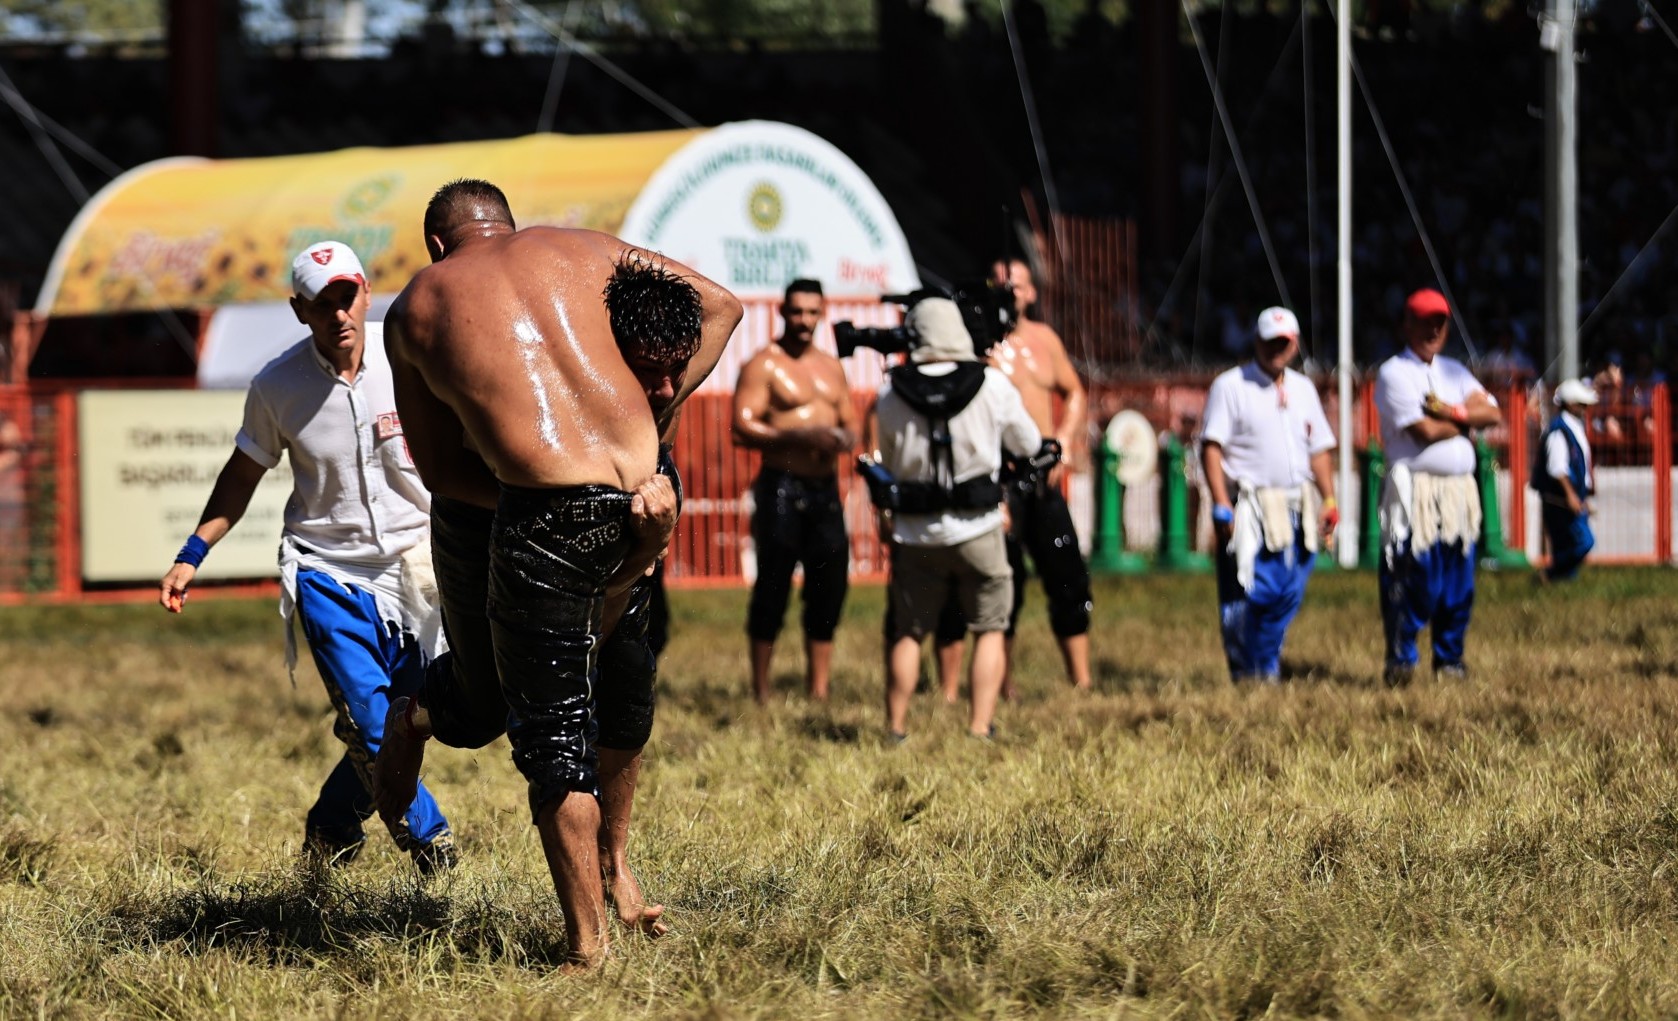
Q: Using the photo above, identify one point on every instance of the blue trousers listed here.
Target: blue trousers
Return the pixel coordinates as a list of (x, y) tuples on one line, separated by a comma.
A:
[(1433, 587), (1570, 539), (364, 664), (1255, 622)]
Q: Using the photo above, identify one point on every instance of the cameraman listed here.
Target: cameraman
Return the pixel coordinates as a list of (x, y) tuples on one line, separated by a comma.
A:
[(943, 423)]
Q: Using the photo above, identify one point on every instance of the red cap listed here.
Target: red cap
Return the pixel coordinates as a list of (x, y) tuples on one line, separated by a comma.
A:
[(1426, 303)]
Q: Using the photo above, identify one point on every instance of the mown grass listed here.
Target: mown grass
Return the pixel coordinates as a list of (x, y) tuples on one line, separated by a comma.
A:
[(1166, 847)]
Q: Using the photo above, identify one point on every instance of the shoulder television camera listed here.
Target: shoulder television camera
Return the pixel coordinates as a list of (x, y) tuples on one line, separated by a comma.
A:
[(987, 309)]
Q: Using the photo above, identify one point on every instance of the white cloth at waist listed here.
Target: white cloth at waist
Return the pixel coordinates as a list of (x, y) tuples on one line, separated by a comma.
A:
[(404, 590), (1420, 510), (1267, 517)]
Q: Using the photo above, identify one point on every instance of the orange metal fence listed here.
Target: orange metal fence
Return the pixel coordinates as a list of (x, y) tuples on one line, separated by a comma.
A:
[(39, 485)]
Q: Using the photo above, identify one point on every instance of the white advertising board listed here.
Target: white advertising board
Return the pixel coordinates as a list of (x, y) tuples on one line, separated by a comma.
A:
[(149, 459), (755, 205)]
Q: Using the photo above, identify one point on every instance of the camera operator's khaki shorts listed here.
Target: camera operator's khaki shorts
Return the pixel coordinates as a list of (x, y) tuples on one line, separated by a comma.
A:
[(976, 573)]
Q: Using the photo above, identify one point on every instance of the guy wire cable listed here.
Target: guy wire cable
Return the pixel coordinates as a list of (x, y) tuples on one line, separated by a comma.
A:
[(1049, 193), (1196, 242), (1310, 177), (43, 142), (588, 53), (1584, 327), (556, 73), (1415, 213), (1209, 221), (1410, 204), (1240, 162)]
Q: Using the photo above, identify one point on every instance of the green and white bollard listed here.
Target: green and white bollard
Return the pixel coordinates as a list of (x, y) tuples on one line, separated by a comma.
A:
[(1110, 555), (1174, 551), (1494, 553)]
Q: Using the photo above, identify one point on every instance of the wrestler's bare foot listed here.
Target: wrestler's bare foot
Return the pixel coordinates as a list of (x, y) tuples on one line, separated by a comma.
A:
[(396, 769), (624, 895)]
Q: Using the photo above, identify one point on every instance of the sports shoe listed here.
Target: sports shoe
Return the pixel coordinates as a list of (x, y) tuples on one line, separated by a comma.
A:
[(324, 851), (438, 856), (1451, 672), (1399, 675)]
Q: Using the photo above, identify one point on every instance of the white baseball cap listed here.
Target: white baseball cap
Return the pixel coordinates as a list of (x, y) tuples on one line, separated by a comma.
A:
[(1276, 322), (1575, 391), (323, 263)]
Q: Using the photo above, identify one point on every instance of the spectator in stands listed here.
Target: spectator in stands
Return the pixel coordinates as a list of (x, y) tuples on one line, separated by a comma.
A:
[(1565, 482), (793, 404), (355, 555), (1506, 365), (1430, 506)]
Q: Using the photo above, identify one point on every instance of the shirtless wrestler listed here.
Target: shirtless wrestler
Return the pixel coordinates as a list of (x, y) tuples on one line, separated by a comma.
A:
[(793, 404), (505, 355)]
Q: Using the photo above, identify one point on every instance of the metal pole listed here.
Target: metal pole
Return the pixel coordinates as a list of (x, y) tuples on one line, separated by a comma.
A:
[(1348, 537), (1561, 183)]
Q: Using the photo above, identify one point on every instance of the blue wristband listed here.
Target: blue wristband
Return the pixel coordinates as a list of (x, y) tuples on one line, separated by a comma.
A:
[(1222, 515), (192, 554)]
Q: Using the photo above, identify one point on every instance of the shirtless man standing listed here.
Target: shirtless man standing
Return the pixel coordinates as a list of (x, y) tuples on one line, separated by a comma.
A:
[(506, 357), (793, 404), (1040, 523)]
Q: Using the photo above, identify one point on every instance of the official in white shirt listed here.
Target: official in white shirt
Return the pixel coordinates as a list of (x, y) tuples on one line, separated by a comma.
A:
[(1266, 450), (1430, 506), (1565, 482), (355, 560)]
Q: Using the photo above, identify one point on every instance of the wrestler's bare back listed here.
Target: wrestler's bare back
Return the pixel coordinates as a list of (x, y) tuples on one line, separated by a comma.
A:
[(511, 332), (804, 393)]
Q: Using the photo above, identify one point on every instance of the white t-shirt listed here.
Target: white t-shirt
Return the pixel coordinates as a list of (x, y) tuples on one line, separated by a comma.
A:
[(355, 492), (1400, 387), (1267, 441), (1555, 448), (995, 419)]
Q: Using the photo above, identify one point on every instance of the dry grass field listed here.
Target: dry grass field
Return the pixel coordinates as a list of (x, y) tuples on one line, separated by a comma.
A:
[(1504, 847)]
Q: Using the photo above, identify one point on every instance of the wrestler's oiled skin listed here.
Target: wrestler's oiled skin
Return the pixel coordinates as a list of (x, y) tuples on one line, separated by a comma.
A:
[(792, 401), (503, 353), (516, 342)]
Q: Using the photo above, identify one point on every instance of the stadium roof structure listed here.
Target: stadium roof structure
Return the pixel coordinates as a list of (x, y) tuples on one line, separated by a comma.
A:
[(752, 204)]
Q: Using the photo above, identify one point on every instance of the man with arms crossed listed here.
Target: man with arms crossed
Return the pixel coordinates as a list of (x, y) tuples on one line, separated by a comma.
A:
[(1266, 450), (505, 349), (793, 404), (355, 522), (1430, 505)]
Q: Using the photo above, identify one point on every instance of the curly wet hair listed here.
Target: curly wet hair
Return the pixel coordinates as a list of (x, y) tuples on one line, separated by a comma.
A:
[(655, 313)]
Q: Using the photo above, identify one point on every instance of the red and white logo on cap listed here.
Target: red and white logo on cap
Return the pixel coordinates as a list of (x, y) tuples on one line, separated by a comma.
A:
[(321, 255)]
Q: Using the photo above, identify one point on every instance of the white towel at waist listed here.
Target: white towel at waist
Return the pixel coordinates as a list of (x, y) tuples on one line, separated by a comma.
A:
[(1420, 510), (404, 590), (1267, 517)]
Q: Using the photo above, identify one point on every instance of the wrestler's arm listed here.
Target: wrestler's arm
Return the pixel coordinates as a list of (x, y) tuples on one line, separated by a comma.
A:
[(846, 407), (720, 313), (751, 427), (434, 434), (1073, 428), (228, 501)]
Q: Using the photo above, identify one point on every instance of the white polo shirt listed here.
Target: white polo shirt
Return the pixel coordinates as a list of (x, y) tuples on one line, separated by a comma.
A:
[(1268, 432), (1400, 387), (355, 492)]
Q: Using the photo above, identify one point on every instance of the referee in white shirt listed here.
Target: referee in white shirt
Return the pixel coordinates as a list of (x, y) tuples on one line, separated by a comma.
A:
[(1430, 505), (1266, 449), (354, 556)]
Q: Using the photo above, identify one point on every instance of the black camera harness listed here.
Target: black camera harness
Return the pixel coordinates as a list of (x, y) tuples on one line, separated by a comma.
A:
[(940, 398)]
